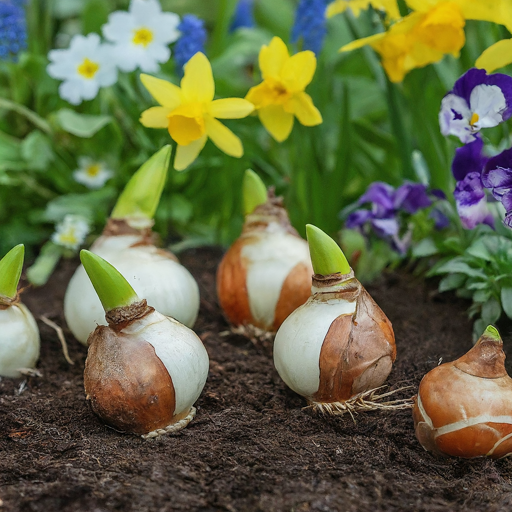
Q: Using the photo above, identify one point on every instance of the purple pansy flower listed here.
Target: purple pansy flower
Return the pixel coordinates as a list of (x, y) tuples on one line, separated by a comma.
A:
[(477, 101), (469, 158), (471, 202), (497, 177), (386, 204)]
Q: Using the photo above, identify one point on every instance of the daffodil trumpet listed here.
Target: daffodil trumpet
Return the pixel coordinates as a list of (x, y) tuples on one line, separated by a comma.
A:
[(144, 371), (339, 346), (266, 273), (464, 407), (128, 243), (19, 335)]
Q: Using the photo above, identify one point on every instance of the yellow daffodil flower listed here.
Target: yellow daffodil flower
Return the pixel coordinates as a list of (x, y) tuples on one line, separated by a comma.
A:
[(281, 95), (190, 113), (496, 56), (495, 11), (419, 39), (356, 6)]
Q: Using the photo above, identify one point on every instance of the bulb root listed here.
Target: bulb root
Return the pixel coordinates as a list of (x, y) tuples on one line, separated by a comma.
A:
[(365, 401), (256, 335), (173, 428)]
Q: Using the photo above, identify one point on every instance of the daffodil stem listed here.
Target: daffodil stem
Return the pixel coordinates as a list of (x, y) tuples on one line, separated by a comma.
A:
[(225, 11), (397, 125)]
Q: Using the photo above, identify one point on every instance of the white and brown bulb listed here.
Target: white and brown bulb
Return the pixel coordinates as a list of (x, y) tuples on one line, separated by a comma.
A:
[(339, 343), (464, 408), (266, 273)]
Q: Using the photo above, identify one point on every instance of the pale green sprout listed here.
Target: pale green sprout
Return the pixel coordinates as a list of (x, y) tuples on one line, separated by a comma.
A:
[(492, 332), (140, 197), (254, 191), (326, 256), (112, 288), (11, 266)]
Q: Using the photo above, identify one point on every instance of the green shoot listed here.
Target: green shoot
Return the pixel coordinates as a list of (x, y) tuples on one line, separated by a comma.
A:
[(10, 271), (326, 256), (112, 288), (254, 191), (141, 196), (492, 332)]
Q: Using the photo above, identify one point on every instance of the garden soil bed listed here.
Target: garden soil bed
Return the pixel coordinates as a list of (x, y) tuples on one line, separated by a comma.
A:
[(253, 445)]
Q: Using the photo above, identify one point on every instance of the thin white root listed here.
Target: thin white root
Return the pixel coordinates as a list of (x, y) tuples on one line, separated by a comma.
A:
[(172, 429), (255, 334), (60, 335), (366, 401)]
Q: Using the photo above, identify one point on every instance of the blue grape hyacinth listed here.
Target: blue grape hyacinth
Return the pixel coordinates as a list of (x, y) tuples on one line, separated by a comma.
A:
[(310, 25), (191, 41), (13, 29), (244, 15)]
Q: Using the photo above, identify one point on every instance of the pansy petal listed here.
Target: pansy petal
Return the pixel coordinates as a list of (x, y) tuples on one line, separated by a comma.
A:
[(468, 158), (197, 83), (223, 137), (231, 108), (167, 94), (489, 104), (302, 106), (298, 71), (496, 56), (185, 155), (471, 202), (385, 227), (454, 118), (357, 218), (273, 57), (155, 117), (276, 121)]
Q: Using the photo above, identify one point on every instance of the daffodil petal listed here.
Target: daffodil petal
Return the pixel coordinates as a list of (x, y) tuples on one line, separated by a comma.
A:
[(298, 71), (359, 43), (185, 155), (197, 83), (496, 56), (165, 93), (302, 106), (231, 108), (276, 121), (223, 137), (496, 11), (273, 57), (155, 117)]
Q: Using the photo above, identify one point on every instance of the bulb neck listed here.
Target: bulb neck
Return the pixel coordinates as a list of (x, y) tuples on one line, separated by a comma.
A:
[(123, 227), (119, 318), (7, 302), (335, 283), (272, 213)]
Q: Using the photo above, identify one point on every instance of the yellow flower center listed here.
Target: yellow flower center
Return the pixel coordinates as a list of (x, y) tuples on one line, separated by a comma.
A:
[(186, 123), (68, 238), (88, 68), (143, 36), (474, 119), (93, 170)]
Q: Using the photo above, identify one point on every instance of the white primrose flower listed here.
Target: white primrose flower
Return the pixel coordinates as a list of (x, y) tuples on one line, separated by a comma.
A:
[(141, 35), (85, 66), (71, 232), (91, 173)]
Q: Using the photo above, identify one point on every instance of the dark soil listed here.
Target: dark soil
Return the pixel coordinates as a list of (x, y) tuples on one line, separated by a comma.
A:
[(252, 446)]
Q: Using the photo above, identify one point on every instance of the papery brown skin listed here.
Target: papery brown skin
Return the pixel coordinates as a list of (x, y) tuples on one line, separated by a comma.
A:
[(127, 384), (359, 349), (464, 408)]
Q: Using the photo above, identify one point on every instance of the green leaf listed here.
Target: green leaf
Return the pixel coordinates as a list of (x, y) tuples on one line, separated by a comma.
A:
[(479, 250), (491, 311), (11, 266), (482, 296), (112, 288), (456, 265), (452, 282), (326, 255), (254, 191), (39, 273), (426, 247), (506, 301), (37, 151), (81, 125)]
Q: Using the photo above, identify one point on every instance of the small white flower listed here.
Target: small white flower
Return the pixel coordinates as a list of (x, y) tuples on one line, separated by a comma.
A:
[(91, 173), (71, 232), (141, 35), (85, 66)]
